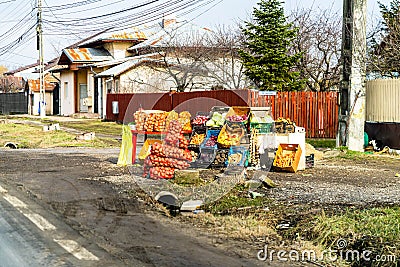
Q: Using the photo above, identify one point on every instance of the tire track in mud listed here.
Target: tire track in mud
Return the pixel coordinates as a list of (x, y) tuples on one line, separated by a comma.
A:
[(77, 187)]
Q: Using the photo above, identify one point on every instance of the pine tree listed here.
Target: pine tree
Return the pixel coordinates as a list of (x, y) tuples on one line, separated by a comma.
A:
[(266, 55)]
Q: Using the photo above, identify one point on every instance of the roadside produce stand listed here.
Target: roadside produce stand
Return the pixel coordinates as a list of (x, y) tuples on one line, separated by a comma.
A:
[(224, 137)]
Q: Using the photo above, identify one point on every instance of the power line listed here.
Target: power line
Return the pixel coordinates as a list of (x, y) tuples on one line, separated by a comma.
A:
[(146, 12), (4, 2), (112, 13), (21, 45), (22, 55), (5, 49), (19, 25), (147, 20), (18, 8), (85, 10), (133, 19), (77, 4), (57, 18)]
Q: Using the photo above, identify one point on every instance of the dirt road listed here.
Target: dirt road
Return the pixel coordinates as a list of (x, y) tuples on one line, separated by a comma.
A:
[(75, 184), (98, 199), (337, 181)]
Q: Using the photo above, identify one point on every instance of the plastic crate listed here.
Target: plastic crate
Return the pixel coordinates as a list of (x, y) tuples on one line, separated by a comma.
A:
[(262, 127), (196, 130), (238, 110), (210, 133), (220, 109), (225, 132), (260, 112), (200, 113), (240, 159), (206, 158)]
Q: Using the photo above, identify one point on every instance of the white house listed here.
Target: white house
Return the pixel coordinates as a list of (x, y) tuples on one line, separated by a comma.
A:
[(80, 91), (137, 62), (34, 105)]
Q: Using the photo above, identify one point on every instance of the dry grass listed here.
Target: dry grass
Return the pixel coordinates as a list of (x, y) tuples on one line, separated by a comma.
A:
[(233, 226), (97, 126), (27, 136)]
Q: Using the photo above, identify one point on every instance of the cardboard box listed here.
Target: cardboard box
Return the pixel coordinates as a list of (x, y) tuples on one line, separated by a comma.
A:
[(261, 112), (289, 154), (291, 138), (239, 110), (145, 151)]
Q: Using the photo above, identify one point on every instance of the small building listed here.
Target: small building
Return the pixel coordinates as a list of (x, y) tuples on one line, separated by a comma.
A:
[(80, 92), (34, 105), (30, 73)]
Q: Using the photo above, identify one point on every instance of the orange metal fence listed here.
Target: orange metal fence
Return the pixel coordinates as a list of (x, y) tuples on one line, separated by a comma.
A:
[(317, 112)]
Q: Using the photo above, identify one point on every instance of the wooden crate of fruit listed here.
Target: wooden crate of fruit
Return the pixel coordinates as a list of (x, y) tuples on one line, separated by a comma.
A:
[(230, 136), (220, 159), (287, 157), (238, 114)]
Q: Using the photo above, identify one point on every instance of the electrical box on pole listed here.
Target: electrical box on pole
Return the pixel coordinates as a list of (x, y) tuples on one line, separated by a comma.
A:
[(352, 88)]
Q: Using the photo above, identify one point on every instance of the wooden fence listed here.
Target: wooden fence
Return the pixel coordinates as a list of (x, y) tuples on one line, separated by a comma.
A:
[(190, 101), (317, 112)]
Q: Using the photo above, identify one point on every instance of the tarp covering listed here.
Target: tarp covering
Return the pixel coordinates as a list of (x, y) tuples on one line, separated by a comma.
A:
[(125, 154), (386, 132)]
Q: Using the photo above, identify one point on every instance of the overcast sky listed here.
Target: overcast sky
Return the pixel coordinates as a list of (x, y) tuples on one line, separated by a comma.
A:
[(56, 37), (229, 11)]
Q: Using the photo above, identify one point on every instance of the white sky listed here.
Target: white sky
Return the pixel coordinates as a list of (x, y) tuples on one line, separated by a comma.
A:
[(224, 12), (229, 11)]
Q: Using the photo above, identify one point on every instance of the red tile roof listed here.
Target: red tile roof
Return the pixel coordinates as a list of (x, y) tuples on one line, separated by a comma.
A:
[(34, 86)]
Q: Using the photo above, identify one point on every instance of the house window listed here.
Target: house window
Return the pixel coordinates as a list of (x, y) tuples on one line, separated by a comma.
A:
[(109, 86), (65, 90), (117, 86)]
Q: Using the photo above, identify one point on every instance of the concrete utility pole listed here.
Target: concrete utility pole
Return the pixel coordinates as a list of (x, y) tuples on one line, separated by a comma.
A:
[(39, 29), (352, 91)]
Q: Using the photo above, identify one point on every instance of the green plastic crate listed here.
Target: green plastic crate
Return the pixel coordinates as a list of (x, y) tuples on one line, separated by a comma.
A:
[(262, 127)]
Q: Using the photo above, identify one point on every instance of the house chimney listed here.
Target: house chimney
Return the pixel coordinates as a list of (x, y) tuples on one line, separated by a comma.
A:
[(166, 22)]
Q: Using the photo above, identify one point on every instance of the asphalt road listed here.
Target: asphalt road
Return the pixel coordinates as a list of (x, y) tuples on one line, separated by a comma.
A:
[(31, 236), (65, 211), (20, 245)]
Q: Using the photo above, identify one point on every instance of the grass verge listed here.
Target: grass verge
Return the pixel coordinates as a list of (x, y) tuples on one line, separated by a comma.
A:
[(27, 136), (345, 153), (97, 126), (374, 230), (322, 143), (237, 200), (84, 125)]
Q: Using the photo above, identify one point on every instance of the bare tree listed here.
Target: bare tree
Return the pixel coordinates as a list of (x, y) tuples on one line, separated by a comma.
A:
[(200, 59), (384, 43), (319, 39), (223, 62)]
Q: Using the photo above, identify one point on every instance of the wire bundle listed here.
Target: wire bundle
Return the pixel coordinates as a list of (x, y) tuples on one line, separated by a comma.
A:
[(75, 21)]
